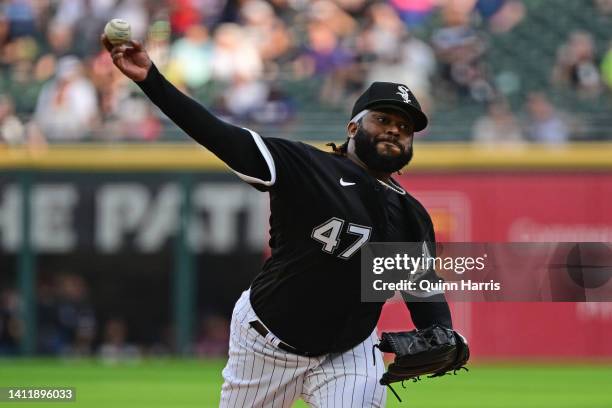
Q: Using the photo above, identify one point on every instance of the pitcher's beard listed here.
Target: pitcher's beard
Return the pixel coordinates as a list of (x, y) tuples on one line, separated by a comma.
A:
[(365, 149)]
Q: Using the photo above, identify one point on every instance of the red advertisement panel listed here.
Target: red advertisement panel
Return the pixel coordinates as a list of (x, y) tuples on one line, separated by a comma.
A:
[(520, 207)]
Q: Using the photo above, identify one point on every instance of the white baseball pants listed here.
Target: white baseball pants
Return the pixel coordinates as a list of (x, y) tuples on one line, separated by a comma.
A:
[(258, 374)]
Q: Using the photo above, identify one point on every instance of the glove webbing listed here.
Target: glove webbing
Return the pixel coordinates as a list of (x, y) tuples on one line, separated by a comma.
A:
[(415, 379)]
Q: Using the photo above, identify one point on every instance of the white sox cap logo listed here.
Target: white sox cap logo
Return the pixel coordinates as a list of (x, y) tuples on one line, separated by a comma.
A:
[(399, 96), (404, 93)]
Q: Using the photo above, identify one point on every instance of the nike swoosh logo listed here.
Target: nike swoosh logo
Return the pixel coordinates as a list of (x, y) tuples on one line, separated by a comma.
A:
[(346, 183)]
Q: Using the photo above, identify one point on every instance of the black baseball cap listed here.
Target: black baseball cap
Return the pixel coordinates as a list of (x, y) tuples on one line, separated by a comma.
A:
[(395, 96)]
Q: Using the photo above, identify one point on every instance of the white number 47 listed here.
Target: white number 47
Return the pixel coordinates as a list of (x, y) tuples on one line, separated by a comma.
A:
[(328, 233)]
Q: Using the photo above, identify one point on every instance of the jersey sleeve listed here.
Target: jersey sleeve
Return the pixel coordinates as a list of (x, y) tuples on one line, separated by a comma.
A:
[(241, 149), (428, 308), (428, 273), (266, 164), (425, 314), (263, 155), (288, 163)]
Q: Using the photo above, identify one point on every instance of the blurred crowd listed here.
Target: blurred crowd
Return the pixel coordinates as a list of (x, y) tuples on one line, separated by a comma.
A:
[(68, 324), (252, 60)]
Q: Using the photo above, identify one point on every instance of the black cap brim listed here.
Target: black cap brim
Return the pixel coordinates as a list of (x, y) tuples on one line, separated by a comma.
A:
[(418, 118)]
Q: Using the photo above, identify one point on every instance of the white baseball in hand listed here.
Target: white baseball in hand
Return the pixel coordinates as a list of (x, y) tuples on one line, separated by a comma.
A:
[(118, 31)]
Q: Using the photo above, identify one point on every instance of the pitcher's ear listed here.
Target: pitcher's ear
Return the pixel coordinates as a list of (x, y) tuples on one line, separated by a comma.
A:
[(352, 129)]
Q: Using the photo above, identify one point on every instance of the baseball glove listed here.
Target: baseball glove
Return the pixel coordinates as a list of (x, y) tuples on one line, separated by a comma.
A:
[(435, 350)]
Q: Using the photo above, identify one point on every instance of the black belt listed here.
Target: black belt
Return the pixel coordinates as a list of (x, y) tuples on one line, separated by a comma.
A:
[(261, 329)]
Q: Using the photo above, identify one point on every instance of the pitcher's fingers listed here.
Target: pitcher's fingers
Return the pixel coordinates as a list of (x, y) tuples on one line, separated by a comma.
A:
[(107, 44), (117, 56), (118, 49), (137, 45)]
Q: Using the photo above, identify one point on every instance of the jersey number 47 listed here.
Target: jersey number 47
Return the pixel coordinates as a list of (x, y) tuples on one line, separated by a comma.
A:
[(328, 234)]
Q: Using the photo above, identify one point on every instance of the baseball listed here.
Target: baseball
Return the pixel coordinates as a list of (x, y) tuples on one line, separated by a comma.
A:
[(118, 31)]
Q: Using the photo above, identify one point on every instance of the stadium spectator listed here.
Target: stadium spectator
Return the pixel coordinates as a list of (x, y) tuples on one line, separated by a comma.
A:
[(183, 14), (329, 14), (60, 39), (243, 96), (124, 113), (353, 7), (414, 12), (460, 49), (325, 59), (26, 79), (133, 119), (234, 55), (545, 125), (158, 43), (322, 54), (397, 55), (136, 12), (327, 46), (604, 7), (18, 50), (287, 10), (109, 86), (12, 131), (488, 8), (21, 18), (191, 58), (75, 315), (382, 34), (268, 32), (5, 31), (67, 106), (606, 68), (576, 65), (115, 346), (255, 102), (10, 324), (50, 341), (66, 319), (501, 15), (69, 12), (498, 127), (278, 109)]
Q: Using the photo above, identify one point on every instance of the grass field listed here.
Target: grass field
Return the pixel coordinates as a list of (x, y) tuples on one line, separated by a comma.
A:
[(193, 383)]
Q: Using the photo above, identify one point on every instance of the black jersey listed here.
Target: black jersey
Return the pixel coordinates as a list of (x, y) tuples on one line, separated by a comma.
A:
[(324, 207)]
